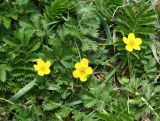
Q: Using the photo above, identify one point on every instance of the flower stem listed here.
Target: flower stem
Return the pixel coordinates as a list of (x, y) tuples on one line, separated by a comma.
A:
[(129, 65), (78, 51)]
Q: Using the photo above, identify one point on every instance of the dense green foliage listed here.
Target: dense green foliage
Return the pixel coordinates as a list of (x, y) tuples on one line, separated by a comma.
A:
[(123, 87)]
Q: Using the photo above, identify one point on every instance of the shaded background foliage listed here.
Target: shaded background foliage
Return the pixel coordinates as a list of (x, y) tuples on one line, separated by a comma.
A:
[(63, 31)]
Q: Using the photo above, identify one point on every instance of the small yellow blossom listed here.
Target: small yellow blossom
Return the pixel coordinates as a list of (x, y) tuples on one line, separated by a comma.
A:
[(132, 42), (42, 68), (82, 70)]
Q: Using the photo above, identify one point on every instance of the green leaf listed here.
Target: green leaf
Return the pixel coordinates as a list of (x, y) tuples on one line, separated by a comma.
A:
[(77, 116), (28, 35), (25, 25), (87, 118), (105, 25), (65, 64), (108, 77), (6, 22), (22, 2), (3, 75), (58, 8), (89, 45), (147, 31), (91, 103), (130, 13), (105, 117), (40, 33), (53, 87), (75, 103), (65, 111), (147, 21), (10, 42), (35, 47), (50, 105), (126, 22), (123, 80)]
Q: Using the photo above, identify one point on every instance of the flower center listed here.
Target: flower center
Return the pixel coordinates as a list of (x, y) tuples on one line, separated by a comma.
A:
[(42, 68), (82, 70), (131, 42)]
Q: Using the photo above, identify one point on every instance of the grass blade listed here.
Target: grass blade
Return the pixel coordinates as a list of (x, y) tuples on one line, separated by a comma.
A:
[(22, 91)]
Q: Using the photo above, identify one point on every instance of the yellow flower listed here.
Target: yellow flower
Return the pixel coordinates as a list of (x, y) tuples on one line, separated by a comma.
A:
[(132, 42), (82, 70), (42, 68)]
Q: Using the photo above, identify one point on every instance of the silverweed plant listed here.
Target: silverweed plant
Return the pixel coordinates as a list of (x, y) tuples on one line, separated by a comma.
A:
[(79, 60)]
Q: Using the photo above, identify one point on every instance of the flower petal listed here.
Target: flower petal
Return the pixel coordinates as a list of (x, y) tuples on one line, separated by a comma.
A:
[(77, 65), (84, 62), (125, 40), (47, 71), (36, 67), (83, 79), (75, 74), (89, 70), (129, 48), (137, 47), (82, 76), (138, 41), (48, 64), (41, 73), (131, 36), (40, 62)]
